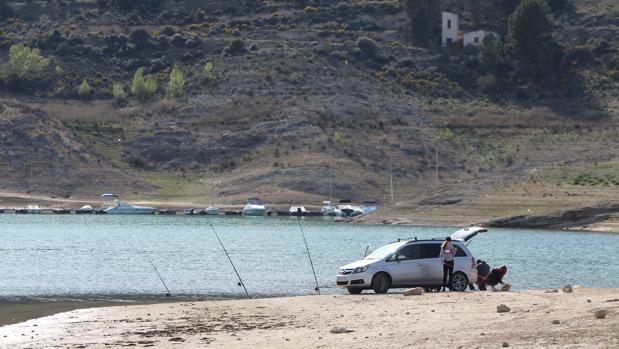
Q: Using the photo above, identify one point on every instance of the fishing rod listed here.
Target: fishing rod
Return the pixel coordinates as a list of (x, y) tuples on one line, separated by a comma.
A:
[(168, 294), (152, 264), (317, 289), (241, 283)]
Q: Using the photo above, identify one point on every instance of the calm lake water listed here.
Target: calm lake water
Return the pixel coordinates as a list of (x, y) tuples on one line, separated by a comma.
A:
[(108, 255)]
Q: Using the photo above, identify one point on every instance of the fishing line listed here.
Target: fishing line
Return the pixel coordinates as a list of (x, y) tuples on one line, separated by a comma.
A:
[(168, 293), (241, 283), (317, 289)]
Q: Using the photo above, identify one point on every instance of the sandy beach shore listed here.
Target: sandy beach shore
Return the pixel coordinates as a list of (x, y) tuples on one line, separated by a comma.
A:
[(537, 318)]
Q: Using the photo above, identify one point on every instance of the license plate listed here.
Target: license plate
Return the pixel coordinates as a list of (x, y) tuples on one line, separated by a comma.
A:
[(340, 279)]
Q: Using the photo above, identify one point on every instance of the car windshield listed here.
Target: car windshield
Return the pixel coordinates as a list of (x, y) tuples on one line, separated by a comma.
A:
[(383, 252)]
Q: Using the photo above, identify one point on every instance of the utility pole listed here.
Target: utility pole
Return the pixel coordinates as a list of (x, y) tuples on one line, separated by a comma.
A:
[(391, 179), (436, 165), (331, 175)]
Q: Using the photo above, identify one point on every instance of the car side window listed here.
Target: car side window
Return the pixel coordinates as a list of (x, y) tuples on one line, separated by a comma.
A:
[(407, 253), (430, 250), (460, 252)]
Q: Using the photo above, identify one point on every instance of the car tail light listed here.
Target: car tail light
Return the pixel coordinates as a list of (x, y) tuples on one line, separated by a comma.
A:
[(473, 262)]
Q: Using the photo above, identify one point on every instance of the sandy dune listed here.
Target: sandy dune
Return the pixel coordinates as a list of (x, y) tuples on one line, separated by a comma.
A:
[(466, 320)]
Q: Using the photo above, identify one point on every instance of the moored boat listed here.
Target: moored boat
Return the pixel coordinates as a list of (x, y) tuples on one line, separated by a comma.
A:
[(328, 209), (121, 207), (368, 206), (33, 209), (211, 211), (254, 207), (298, 211), (86, 209)]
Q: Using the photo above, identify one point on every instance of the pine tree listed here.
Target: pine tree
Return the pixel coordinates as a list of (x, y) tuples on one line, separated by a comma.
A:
[(490, 53), (84, 89), (176, 85), (530, 37), (5, 9), (425, 17)]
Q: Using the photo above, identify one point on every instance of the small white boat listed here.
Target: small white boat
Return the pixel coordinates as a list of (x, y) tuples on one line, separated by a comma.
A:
[(368, 207), (298, 211), (121, 207), (211, 211), (33, 209), (329, 210), (254, 207), (349, 210), (86, 209)]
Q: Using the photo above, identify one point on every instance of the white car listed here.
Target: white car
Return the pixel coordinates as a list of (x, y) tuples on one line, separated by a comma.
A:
[(411, 263)]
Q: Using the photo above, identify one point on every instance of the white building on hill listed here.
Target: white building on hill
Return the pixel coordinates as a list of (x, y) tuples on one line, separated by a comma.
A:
[(451, 29), (475, 38), (451, 33)]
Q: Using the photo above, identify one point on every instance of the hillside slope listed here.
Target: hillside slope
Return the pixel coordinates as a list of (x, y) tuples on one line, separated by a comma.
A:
[(297, 107)]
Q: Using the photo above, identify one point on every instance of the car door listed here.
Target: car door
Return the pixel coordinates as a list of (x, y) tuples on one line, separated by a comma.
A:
[(467, 234), (462, 261), (404, 268), (429, 264)]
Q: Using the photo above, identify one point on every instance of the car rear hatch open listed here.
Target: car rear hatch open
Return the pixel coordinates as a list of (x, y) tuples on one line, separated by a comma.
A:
[(467, 234)]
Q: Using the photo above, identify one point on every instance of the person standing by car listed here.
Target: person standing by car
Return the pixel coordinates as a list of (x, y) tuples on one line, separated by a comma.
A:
[(496, 277), (448, 251)]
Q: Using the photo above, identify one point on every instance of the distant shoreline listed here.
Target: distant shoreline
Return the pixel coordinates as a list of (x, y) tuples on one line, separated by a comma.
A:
[(590, 218)]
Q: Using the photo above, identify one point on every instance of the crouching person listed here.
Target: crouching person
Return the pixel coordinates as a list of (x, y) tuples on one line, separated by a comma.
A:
[(483, 270), (496, 277)]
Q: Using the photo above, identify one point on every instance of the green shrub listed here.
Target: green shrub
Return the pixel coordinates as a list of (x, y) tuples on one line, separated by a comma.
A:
[(588, 179), (176, 85), (236, 46), (367, 46), (118, 91), (199, 15), (84, 89), (208, 71), (139, 37), (26, 63), (325, 48), (142, 86), (487, 82)]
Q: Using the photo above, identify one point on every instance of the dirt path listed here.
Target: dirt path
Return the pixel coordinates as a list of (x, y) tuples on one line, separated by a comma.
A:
[(467, 320)]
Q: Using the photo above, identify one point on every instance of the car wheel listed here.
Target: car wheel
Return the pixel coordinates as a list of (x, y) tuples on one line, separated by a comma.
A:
[(381, 283), (459, 282), (354, 290)]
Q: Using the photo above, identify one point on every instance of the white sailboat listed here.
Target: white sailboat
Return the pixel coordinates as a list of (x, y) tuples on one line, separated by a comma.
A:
[(328, 209)]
